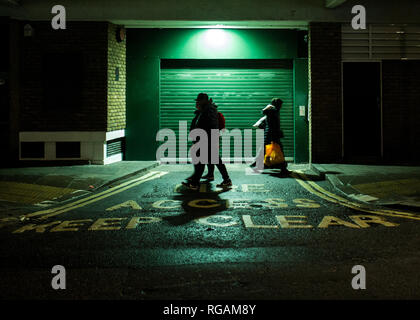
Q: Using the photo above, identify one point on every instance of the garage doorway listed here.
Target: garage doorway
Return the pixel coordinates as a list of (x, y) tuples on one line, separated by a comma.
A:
[(240, 88), (362, 112)]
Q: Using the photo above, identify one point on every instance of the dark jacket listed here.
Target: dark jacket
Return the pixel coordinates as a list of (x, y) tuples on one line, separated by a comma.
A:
[(206, 118), (272, 130)]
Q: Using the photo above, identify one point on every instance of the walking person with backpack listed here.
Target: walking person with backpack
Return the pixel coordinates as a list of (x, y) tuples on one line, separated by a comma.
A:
[(206, 118), (220, 166)]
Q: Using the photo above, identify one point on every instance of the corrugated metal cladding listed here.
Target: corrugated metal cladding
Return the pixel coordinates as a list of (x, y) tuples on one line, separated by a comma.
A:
[(381, 42), (240, 88)]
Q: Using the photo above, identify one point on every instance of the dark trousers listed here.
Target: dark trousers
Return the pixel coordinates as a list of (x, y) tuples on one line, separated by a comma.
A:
[(198, 172), (221, 167), (199, 168)]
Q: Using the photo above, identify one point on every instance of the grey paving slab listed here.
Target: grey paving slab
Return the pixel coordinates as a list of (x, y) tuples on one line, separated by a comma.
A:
[(385, 185)]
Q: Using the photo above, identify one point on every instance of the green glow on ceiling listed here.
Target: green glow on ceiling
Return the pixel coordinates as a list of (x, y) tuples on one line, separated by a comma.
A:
[(215, 43)]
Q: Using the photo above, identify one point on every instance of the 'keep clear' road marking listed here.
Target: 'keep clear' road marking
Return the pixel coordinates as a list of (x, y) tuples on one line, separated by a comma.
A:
[(220, 221), (127, 204), (44, 214), (314, 188)]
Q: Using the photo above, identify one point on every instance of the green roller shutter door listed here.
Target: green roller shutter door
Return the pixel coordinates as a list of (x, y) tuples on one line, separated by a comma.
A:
[(240, 89)]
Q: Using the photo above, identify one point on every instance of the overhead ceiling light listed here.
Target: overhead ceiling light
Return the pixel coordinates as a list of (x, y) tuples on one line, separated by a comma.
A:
[(215, 37)]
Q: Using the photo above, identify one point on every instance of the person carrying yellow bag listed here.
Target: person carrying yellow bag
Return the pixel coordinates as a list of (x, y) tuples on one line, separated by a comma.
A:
[(274, 155)]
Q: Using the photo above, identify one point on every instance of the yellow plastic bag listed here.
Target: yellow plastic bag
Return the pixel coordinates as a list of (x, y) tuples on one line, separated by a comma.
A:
[(273, 154)]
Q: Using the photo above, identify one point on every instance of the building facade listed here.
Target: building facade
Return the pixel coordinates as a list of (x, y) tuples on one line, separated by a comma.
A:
[(100, 90)]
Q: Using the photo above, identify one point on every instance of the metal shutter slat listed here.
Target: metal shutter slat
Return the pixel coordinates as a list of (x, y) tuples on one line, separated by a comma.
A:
[(239, 92)]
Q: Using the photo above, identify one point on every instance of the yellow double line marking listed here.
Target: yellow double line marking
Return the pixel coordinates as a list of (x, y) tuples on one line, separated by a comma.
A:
[(44, 214), (314, 188)]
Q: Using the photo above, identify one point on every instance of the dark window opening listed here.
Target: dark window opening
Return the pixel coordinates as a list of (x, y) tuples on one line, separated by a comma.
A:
[(67, 150), (63, 81), (32, 149)]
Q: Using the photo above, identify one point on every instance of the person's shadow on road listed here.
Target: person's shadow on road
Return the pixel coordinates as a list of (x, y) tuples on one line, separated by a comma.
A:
[(196, 204)]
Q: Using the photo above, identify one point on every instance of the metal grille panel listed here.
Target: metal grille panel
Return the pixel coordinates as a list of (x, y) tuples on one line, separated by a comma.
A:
[(240, 93), (114, 147)]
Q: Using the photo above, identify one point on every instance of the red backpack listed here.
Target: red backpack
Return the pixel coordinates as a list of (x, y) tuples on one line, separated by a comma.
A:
[(222, 121)]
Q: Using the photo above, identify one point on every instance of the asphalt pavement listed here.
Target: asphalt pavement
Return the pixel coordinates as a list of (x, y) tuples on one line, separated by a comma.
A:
[(268, 237)]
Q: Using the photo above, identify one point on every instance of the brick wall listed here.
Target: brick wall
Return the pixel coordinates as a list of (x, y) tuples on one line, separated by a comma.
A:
[(401, 112), (325, 92), (116, 88), (91, 40), (4, 88)]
